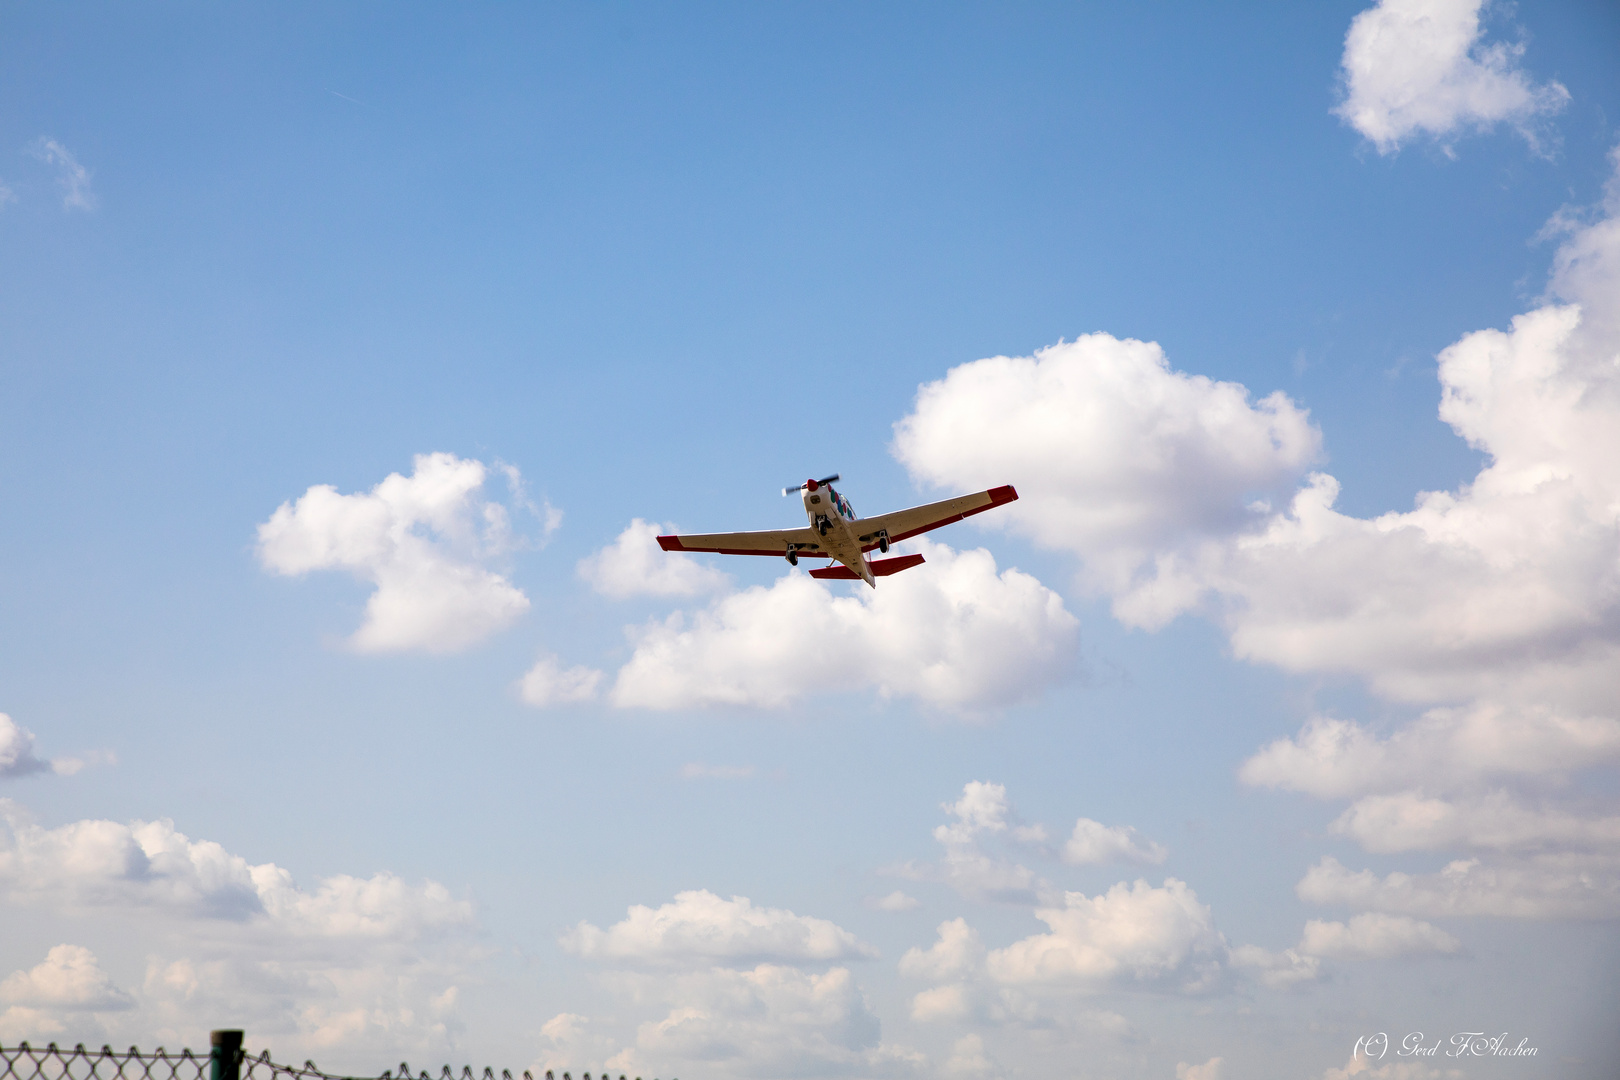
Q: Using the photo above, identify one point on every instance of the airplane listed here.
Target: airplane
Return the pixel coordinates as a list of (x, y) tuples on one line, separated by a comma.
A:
[(836, 532)]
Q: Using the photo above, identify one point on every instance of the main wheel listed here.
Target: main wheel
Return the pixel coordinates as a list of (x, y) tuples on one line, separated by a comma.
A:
[(793, 558), (883, 544)]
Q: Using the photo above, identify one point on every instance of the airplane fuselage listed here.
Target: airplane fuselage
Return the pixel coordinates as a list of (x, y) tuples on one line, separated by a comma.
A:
[(834, 518)]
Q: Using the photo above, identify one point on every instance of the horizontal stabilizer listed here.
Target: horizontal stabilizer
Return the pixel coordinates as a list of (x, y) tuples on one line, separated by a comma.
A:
[(880, 568)]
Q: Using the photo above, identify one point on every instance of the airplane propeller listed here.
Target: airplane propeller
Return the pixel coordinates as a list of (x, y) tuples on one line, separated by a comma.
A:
[(811, 484)]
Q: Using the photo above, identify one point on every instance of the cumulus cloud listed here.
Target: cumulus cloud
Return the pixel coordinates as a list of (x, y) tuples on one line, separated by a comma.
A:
[(1131, 935), (634, 565), (1209, 1070), (549, 683), (1446, 749), (1496, 605), (1552, 886), (1375, 936), (982, 814), (895, 901), (422, 540), (699, 926), (955, 633), (770, 1020), (968, 1058), (1362, 1067), (68, 979), (1277, 970), (148, 864), (773, 1018), (73, 178), (361, 1002), (1505, 590), (1116, 455), (1134, 936), (1094, 842), (17, 757), (570, 1041), (984, 819), (957, 953), (1494, 821), (360, 964), (1415, 67)]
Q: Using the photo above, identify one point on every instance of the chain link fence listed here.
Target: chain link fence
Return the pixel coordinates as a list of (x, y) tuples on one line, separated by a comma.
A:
[(225, 1061)]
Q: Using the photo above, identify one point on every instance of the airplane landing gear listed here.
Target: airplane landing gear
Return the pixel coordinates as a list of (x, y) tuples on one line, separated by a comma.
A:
[(793, 556), (883, 542)]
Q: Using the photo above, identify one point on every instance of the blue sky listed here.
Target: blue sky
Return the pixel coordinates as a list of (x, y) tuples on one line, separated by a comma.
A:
[(576, 271)]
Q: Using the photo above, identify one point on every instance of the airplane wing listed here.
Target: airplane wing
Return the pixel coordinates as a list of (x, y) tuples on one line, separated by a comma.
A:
[(919, 519), (772, 542)]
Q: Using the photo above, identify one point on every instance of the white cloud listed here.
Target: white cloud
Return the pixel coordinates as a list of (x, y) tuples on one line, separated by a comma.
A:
[(17, 756), (362, 1002), (983, 808), (549, 683), (1494, 821), (1556, 886), (954, 633), (983, 815), (895, 901), (148, 864), (357, 964), (1506, 590), (1094, 842), (570, 1042), (1277, 970), (6, 194), (634, 565), (73, 177), (768, 1021), (957, 953), (1131, 935), (1209, 1070), (943, 1004), (68, 979), (699, 926), (718, 1016), (1445, 749), (1420, 66), (421, 540), (968, 1058), (1115, 455), (1361, 1066), (1375, 936), (982, 812)]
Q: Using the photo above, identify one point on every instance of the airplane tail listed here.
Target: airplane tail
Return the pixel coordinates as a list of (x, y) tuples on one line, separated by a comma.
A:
[(880, 568)]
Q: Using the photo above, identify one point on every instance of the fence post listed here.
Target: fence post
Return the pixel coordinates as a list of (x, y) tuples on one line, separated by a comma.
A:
[(225, 1055)]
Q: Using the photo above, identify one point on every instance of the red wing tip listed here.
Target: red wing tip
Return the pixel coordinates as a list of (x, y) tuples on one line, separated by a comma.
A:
[(1004, 494), (670, 543)]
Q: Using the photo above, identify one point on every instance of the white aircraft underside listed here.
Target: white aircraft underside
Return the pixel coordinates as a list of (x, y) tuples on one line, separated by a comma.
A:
[(835, 532)]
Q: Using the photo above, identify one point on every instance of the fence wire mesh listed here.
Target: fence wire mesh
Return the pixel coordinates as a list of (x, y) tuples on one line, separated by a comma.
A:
[(24, 1062)]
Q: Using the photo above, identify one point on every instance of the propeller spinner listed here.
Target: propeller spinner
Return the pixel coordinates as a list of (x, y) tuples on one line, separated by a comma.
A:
[(811, 484)]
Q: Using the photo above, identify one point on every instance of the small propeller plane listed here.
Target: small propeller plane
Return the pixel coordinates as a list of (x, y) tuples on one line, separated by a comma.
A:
[(836, 533)]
